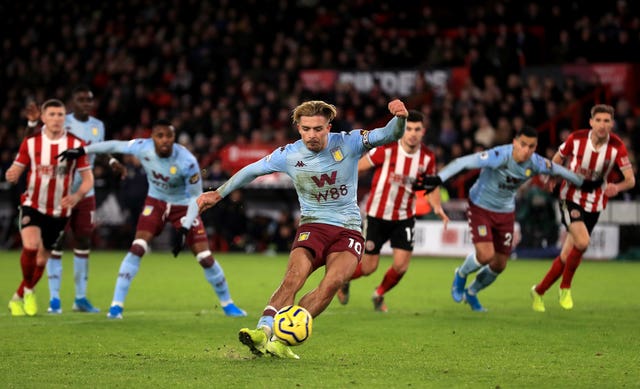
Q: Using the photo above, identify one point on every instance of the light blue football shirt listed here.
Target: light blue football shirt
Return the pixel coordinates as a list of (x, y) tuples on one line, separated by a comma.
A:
[(326, 181), (175, 179), (91, 131), (501, 176)]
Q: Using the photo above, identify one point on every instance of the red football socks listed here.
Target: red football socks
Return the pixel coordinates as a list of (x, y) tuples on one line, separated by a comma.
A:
[(391, 279), (552, 276), (573, 261), (28, 259)]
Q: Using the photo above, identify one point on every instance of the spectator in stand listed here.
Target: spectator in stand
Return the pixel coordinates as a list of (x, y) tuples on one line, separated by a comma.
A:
[(284, 232), (215, 175), (231, 222)]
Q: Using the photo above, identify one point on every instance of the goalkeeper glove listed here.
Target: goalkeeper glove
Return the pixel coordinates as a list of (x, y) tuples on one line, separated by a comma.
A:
[(179, 241), (71, 154)]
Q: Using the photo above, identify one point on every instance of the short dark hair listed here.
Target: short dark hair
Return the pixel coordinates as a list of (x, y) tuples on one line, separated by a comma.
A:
[(80, 88), (163, 123), (527, 131), (415, 116), (602, 108)]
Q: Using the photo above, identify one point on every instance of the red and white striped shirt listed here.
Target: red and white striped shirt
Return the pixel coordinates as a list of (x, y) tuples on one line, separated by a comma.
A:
[(593, 164), (392, 196), (48, 179)]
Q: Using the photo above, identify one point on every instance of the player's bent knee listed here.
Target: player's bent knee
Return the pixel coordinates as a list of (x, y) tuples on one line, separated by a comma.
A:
[(332, 285), (581, 245), (498, 267), (485, 256), (368, 270)]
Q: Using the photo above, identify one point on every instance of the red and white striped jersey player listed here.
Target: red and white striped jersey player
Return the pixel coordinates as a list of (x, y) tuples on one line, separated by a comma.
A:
[(391, 207), (593, 153), (47, 201)]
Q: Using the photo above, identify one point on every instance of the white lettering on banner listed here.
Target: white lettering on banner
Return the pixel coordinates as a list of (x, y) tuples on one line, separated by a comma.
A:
[(614, 75), (432, 239), (398, 83), (235, 157), (438, 80)]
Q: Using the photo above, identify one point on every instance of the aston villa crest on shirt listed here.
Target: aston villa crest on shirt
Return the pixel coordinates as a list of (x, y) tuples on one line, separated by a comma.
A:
[(337, 155), (303, 236), (147, 210)]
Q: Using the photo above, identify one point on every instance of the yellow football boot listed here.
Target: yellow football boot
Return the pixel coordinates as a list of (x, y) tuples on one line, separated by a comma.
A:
[(538, 304), (256, 340), (16, 307), (565, 300)]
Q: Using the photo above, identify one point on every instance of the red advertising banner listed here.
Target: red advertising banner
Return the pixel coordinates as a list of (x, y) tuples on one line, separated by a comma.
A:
[(620, 77), (235, 157), (318, 80), (401, 82)]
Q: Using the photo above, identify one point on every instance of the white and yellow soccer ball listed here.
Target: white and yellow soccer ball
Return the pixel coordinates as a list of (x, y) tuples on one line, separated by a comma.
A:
[(292, 325)]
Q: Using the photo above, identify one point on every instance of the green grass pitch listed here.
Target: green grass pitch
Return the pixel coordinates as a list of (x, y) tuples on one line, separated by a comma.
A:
[(174, 333)]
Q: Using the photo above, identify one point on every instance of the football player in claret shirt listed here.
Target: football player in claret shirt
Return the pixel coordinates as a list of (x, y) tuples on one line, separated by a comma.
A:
[(391, 207), (174, 181), (324, 170), (594, 153), (47, 202), (491, 211)]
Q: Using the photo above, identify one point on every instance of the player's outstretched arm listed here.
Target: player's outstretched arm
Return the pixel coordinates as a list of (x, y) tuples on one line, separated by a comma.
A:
[(397, 108), (558, 170), (208, 200), (274, 162), (427, 182), (472, 161), (394, 129), (71, 154), (591, 185), (582, 183), (243, 177)]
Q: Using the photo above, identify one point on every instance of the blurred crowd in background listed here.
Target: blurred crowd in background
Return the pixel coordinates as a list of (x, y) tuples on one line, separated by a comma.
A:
[(228, 72)]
